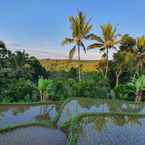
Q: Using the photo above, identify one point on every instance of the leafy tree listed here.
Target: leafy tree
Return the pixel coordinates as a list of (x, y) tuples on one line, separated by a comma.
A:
[(122, 62), (80, 28), (140, 54), (137, 48)]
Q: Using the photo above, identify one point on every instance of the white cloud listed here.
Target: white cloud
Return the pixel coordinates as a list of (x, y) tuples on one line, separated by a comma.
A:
[(46, 50)]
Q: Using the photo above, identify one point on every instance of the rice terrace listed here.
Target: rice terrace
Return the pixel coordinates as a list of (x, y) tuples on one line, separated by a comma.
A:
[(72, 72)]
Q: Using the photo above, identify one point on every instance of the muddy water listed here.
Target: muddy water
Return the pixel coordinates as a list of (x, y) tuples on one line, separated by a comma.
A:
[(112, 131), (33, 136)]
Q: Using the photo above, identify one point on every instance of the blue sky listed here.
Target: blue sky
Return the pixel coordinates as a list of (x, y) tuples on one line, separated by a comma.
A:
[(39, 26)]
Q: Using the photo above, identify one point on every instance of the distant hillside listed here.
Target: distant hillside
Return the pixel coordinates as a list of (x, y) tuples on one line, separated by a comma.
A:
[(66, 65)]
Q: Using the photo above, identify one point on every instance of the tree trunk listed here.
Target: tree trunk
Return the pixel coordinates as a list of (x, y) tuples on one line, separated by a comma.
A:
[(106, 72), (79, 69), (138, 98), (41, 95), (117, 78)]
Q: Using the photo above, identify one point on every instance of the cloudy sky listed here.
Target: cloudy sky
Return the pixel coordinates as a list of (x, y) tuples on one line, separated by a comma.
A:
[(39, 26)]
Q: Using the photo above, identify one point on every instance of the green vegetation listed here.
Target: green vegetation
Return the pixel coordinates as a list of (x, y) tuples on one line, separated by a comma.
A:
[(73, 131), (18, 76), (24, 79), (32, 123), (60, 65), (84, 115)]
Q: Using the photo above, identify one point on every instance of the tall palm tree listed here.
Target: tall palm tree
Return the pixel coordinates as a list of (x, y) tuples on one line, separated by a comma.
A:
[(106, 41), (80, 28)]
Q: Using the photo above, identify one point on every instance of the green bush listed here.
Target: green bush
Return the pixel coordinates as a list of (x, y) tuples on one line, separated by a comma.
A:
[(20, 90), (94, 87), (124, 91)]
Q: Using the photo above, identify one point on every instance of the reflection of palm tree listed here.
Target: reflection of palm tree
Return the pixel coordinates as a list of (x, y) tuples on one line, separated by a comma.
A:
[(134, 120), (119, 120), (100, 123)]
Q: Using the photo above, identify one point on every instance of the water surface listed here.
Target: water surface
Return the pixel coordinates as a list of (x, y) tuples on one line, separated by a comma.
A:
[(119, 130), (77, 107), (33, 136), (18, 114)]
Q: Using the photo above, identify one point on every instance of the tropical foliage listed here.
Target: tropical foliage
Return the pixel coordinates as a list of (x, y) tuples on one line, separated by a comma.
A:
[(25, 78)]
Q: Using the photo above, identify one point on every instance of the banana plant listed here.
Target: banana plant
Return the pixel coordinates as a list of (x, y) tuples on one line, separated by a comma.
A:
[(138, 85)]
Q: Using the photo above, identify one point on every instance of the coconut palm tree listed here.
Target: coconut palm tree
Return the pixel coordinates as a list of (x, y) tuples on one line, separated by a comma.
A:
[(80, 28), (106, 41)]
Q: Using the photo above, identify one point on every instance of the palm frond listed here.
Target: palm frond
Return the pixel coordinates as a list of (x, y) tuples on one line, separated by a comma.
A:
[(67, 41), (84, 48), (95, 37), (72, 52), (95, 45)]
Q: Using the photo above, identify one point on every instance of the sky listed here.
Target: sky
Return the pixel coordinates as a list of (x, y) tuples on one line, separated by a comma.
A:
[(39, 26)]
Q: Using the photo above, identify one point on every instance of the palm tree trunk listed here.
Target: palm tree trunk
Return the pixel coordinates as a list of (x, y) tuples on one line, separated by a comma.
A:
[(106, 72), (79, 69), (41, 96), (117, 77)]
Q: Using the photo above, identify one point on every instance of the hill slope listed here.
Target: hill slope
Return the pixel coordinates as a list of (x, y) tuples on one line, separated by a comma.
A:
[(66, 65)]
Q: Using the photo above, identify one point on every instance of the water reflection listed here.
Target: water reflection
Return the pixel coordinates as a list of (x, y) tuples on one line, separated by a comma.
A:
[(118, 130), (76, 107), (12, 115)]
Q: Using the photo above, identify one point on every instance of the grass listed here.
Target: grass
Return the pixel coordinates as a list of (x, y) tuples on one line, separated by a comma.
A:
[(94, 100), (67, 124), (33, 103), (28, 124), (65, 65), (73, 132)]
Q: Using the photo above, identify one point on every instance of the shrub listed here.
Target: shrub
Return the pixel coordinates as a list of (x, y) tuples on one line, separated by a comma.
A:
[(124, 91), (21, 90)]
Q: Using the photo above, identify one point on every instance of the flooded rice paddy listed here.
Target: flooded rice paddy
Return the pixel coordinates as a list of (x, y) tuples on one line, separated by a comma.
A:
[(113, 130), (33, 136), (19, 114)]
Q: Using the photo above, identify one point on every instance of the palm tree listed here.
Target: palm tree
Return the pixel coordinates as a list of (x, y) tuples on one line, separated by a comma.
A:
[(140, 54), (80, 28), (107, 41), (137, 48)]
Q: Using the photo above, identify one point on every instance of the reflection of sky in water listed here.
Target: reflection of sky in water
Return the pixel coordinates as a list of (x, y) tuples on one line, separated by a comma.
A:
[(14, 115), (20, 114), (74, 108), (111, 132)]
